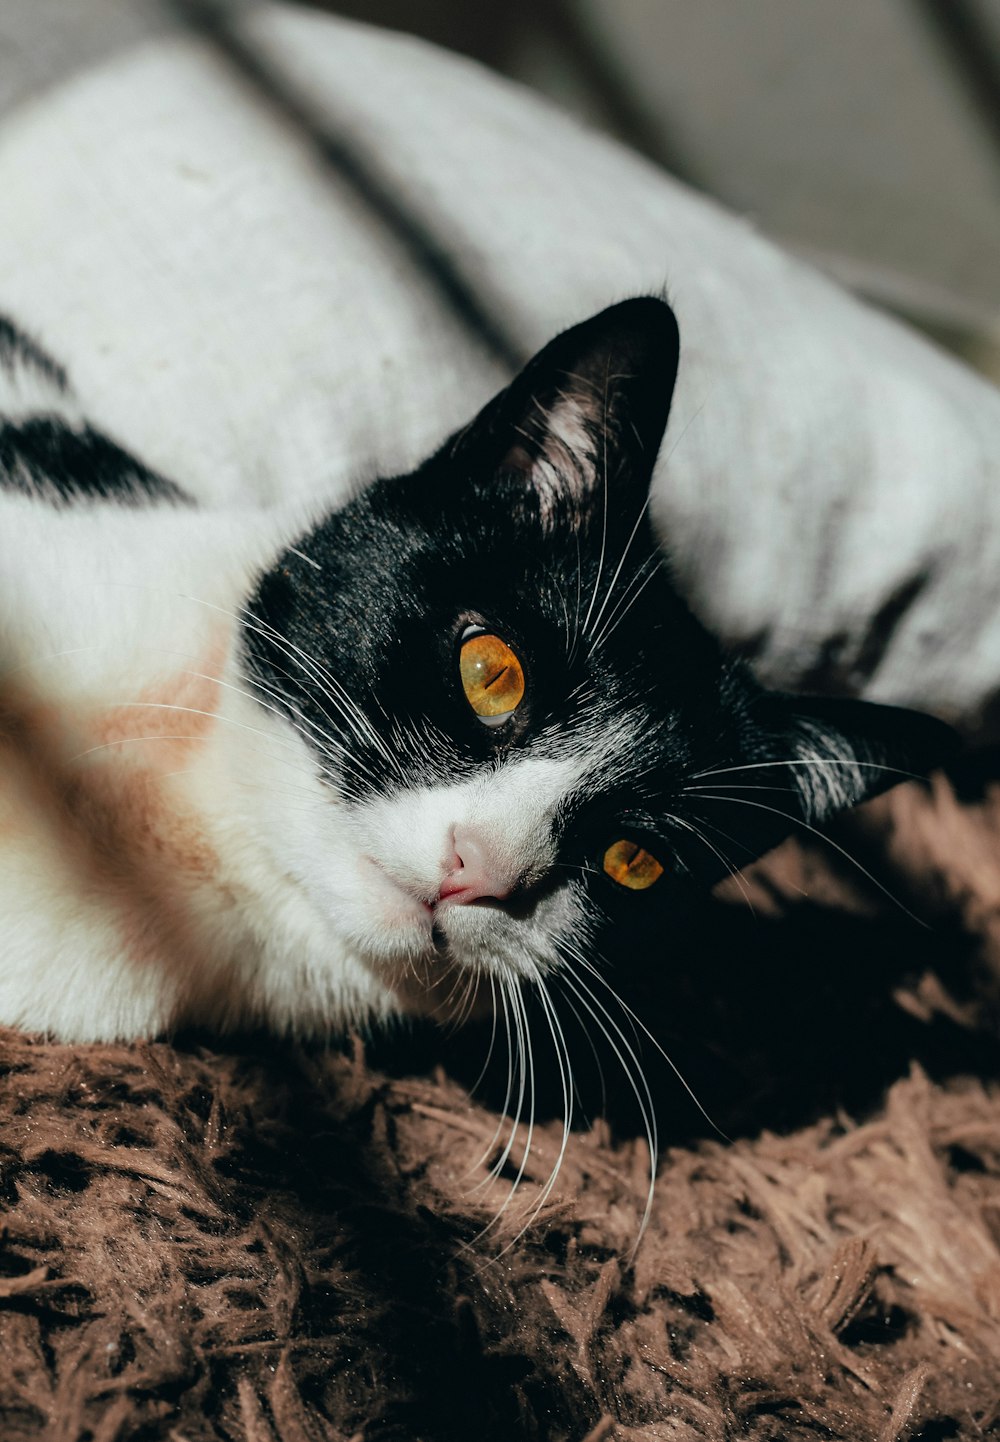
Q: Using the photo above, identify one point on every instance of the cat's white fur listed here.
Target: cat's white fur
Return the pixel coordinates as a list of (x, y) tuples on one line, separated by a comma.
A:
[(28, 391), (170, 848)]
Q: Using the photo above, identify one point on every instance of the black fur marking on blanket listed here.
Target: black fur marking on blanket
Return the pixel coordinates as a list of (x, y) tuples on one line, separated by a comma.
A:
[(45, 458), (19, 351)]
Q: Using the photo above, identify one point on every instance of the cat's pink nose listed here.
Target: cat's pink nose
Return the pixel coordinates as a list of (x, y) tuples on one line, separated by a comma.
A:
[(473, 872)]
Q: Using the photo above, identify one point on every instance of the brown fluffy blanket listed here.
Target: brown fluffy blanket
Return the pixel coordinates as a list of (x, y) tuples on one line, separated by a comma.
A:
[(267, 1242)]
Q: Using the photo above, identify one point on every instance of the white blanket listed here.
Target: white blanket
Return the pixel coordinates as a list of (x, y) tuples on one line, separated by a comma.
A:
[(230, 308)]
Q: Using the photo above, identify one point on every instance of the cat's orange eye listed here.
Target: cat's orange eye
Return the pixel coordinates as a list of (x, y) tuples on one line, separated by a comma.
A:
[(632, 866), (492, 677)]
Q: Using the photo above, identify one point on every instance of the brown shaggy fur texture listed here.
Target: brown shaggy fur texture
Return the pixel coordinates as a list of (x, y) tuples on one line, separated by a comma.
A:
[(272, 1243)]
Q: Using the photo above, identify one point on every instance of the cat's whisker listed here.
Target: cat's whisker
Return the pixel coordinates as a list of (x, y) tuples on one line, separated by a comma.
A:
[(467, 982), (491, 1176), (636, 1079), (126, 741), (815, 831), (571, 977), (191, 710), (637, 1021), (471, 993), (751, 855), (522, 1071), (348, 714), (213, 716), (612, 623), (738, 786), (443, 1012), (443, 1008), (312, 668), (354, 774), (733, 870), (582, 1024), (244, 619), (329, 686), (624, 557), (627, 602), (314, 738), (578, 626), (565, 610), (576, 866), (304, 798), (639, 577), (565, 1065), (48, 656), (527, 1067), (604, 529), (531, 1213), (807, 761), (532, 1095), (315, 735), (493, 1035)]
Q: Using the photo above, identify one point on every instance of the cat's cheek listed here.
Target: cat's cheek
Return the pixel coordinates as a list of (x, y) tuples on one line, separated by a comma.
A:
[(388, 904), (379, 922)]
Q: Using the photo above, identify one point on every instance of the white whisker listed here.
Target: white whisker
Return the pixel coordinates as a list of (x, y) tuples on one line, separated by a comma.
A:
[(621, 610), (491, 1176), (642, 1093), (733, 871), (803, 761), (624, 556), (637, 1021), (814, 831)]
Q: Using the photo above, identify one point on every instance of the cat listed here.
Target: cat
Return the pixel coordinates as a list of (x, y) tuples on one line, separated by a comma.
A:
[(315, 771)]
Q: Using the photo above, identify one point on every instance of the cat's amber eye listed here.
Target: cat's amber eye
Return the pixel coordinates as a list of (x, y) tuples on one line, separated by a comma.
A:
[(631, 865), (492, 677)]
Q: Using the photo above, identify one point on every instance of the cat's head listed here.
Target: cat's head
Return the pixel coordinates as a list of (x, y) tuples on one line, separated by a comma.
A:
[(524, 734)]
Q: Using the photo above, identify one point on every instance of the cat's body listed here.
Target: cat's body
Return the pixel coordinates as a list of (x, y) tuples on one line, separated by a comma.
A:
[(244, 777)]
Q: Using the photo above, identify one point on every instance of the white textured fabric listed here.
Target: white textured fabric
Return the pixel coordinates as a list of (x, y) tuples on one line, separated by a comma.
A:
[(232, 311)]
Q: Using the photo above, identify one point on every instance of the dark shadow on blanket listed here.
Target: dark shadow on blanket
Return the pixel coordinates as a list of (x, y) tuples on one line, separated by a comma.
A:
[(770, 1023), (380, 1344), (347, 160)]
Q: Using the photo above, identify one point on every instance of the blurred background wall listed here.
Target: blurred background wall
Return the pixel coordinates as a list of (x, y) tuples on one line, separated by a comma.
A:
[(863, 134)]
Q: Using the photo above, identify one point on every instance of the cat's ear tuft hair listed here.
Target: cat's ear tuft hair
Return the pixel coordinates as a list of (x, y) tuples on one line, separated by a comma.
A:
[(588, 411)]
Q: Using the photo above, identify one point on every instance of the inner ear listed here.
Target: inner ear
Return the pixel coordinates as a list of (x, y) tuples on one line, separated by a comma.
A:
[(588, 412)]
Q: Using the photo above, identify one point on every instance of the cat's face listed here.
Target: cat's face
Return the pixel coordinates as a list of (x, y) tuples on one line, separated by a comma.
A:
[(524, 735)]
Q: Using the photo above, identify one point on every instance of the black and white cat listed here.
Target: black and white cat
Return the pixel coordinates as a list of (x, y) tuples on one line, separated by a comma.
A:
[(316, 771)]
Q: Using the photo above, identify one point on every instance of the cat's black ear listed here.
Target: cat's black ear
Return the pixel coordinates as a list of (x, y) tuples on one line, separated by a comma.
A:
[(849, 751), (820, 757), (588, 411)]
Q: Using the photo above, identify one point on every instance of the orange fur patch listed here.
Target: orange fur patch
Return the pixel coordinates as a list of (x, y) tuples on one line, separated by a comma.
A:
[(179, 710), (112, 810)]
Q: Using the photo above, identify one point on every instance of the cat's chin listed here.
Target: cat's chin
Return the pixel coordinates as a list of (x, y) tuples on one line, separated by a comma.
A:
[(449, 963)]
